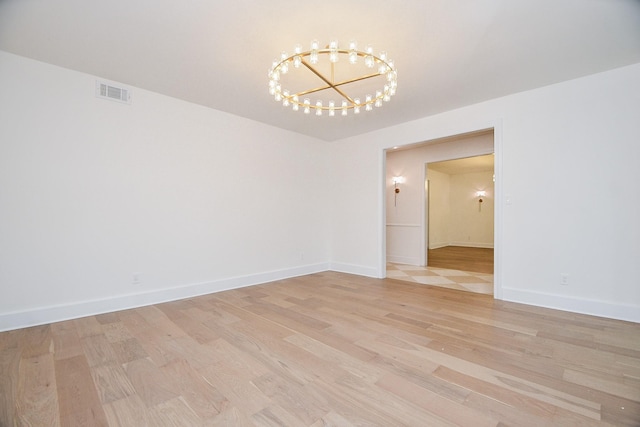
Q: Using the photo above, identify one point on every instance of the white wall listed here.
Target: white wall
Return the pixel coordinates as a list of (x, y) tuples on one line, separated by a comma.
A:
[(566, 198), (471, 223), (191, 199), (439, 207)]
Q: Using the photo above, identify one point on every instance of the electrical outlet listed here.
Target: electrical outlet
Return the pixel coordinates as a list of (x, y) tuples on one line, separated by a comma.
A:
[(564, 279), (135, 279)]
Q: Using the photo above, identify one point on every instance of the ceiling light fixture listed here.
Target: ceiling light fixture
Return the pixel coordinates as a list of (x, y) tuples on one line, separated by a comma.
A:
[(378, 85)]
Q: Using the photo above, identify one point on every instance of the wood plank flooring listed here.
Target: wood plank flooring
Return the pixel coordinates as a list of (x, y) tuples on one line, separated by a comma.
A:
[(328, 349), (478, 260)]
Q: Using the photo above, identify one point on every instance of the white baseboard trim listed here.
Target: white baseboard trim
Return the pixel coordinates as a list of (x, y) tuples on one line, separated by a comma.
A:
[(359, 270), (403, 260), (472, 245), (438, 245), (57, 313), (609, 310)]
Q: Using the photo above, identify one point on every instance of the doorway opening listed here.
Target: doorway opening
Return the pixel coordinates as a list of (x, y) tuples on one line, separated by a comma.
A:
[(440, 229), (460, 221)]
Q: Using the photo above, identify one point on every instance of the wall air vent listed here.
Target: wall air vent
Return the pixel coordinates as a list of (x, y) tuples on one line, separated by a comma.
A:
[(115, 93)]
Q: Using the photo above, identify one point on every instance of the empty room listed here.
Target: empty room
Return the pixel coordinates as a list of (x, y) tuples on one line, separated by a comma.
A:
[(227, 213)]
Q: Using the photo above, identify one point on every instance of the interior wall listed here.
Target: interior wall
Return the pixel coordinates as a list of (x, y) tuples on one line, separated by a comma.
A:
[(97, 195), (439, 208), (566, 203), (456, 217), (471, 222)]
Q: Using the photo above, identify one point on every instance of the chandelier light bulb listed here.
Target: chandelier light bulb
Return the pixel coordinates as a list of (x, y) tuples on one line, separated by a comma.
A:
[(353, 52), (368, 59), (297, 59), (313, 56), (284, 68), (333, 51), (278, 94), (368, 103)]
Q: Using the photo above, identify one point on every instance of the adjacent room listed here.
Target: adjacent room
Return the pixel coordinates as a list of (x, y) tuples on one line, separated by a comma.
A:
[(440, 230), (206, 209)]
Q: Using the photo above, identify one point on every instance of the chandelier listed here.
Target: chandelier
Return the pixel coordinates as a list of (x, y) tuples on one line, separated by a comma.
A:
[(372, 76)]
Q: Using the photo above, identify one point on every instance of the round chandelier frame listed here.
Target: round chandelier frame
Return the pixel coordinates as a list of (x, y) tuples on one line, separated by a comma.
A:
[(332, 52)]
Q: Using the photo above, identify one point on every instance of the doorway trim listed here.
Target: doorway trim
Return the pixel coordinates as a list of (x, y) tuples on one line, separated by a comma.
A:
[(496, 125)]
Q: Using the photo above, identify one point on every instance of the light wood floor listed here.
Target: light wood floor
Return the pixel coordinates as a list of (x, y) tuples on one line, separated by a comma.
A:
[(478, 260), (328, 349)]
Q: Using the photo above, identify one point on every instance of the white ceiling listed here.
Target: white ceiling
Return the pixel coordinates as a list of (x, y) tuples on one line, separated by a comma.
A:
[(449, 53), (465, 165)]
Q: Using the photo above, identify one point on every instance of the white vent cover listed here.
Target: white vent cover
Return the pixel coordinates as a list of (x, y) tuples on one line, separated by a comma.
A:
[(113, 92)]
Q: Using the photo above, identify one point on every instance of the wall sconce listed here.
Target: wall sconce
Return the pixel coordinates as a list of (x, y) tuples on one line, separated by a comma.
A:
[(480, 195), (396, 180)]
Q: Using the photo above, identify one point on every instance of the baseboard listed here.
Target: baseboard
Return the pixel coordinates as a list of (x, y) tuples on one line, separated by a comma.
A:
[(355, 269), (609, 310), (472, 245), (439, 245), (57, 313), (403, 260)]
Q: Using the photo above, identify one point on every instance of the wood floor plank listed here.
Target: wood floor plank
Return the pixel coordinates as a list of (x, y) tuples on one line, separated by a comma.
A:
[(294, 398), (241, 393), (88, 326), (280, 355), (362, 404), (173, 413), (149, 382), (116, 331), (67, 343), (537, 410), (434, 403), (195, 329), (9, 375), (77, 396), (276, 416), (128, 350), (321, 350), (37, 399), (98, 350), (127, 412), (112, 383), (462, 258), (202, 397), (233, 416)]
